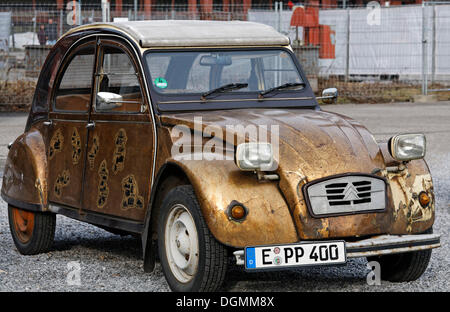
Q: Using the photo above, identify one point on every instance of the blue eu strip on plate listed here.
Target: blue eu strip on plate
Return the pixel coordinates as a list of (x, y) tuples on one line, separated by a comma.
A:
[(250, 258)]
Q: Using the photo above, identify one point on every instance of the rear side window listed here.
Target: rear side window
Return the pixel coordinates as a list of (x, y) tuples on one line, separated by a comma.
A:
[(41, 100), (74, 89)]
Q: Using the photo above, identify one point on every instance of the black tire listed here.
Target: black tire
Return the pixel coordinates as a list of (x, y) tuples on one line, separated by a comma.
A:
[(404, 267), (212, 258), (42, 231)]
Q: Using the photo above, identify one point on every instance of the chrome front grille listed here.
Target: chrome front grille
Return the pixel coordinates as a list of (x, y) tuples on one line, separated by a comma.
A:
[(346, 194), (349, 193)]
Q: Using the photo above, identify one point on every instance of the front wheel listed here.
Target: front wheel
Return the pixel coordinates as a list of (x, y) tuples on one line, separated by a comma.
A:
[(32, 232), (404, 267), (191, 258)]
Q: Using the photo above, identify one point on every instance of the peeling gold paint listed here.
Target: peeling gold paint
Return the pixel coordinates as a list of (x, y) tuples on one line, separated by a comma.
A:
[(120, 142), (323, 231), (93, 151), (298, 173), (103, 189), (8, 179), (76, 146), (405, 197), (418, 213), (62, 180), (131, 198), (56, 143), (38, 185)]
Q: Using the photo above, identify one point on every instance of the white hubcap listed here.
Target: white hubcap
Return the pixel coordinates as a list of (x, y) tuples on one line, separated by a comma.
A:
[(181, 242)]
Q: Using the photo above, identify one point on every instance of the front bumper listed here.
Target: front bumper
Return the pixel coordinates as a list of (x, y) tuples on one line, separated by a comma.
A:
[(380, 245)]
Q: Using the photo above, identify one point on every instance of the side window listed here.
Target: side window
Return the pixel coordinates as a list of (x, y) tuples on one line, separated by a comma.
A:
[(118, 87), (73, 92)]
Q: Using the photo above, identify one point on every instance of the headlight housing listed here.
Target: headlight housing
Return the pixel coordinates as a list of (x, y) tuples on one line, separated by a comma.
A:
[(404, 147), (255, 156)]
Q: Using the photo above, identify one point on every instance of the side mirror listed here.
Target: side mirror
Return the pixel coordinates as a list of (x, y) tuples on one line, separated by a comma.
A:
[(329, 96), (107, 100)]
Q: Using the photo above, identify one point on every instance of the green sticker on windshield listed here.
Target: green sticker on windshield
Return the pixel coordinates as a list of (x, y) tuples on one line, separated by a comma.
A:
[(161, 83)]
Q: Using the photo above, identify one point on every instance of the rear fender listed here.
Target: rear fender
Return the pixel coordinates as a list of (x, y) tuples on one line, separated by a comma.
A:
[(25, 174)]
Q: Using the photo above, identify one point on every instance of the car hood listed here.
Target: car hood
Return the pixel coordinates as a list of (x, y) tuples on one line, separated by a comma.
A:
[(312, 144)]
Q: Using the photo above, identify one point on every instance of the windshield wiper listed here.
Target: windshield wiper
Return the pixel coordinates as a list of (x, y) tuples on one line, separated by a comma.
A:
[(224, 88), (283, 86)]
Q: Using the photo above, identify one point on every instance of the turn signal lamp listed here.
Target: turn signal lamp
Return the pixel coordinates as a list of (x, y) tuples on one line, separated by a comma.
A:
[(424, 199)]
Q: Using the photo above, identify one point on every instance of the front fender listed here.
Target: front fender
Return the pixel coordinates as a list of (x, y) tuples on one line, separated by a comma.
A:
[(218, 183), (25, 174), (409, 217)]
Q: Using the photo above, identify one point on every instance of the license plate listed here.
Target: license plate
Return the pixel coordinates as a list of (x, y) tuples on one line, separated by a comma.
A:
[(291, 255)]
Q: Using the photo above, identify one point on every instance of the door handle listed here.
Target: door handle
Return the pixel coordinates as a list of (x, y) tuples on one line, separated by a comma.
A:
[(48, 122), (90, 125)]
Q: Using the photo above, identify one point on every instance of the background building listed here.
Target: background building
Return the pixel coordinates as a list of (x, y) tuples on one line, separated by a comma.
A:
[(366, 52), (217, 4)]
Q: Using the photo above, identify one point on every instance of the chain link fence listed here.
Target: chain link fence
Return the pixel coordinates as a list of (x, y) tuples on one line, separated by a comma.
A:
[(371, 53)]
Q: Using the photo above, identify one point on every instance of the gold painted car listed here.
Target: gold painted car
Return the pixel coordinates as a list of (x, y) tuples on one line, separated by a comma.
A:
[(205, 138)]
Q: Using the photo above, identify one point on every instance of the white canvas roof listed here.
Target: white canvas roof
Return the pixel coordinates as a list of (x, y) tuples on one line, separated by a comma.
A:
[(193, 33)]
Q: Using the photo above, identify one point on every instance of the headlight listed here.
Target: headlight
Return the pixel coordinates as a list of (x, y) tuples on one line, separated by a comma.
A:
[(404, 147), (255, 156)]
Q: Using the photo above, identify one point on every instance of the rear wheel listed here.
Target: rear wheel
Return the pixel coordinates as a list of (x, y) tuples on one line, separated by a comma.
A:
[(403, 267), (32, 232), (191, 258)]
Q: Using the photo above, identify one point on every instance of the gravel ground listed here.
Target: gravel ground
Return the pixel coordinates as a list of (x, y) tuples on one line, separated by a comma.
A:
[(113, 263)]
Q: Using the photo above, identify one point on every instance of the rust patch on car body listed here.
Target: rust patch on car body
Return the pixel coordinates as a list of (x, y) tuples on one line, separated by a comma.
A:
[(405, 189), (120, 142), (61, 182), (103, 189), (38, 186), (130, 190), (76, 146), (93, 151), (56, 143)]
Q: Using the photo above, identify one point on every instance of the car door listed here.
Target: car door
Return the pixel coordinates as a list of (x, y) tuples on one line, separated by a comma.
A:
[(120, 146), (67, 133)]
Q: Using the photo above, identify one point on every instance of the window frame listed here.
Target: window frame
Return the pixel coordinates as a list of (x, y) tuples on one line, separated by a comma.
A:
[(230, 100), (67, 59), (109, 42), (259, 72)]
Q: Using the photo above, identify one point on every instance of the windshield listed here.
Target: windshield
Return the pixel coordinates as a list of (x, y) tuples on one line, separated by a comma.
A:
[(201, 72)]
